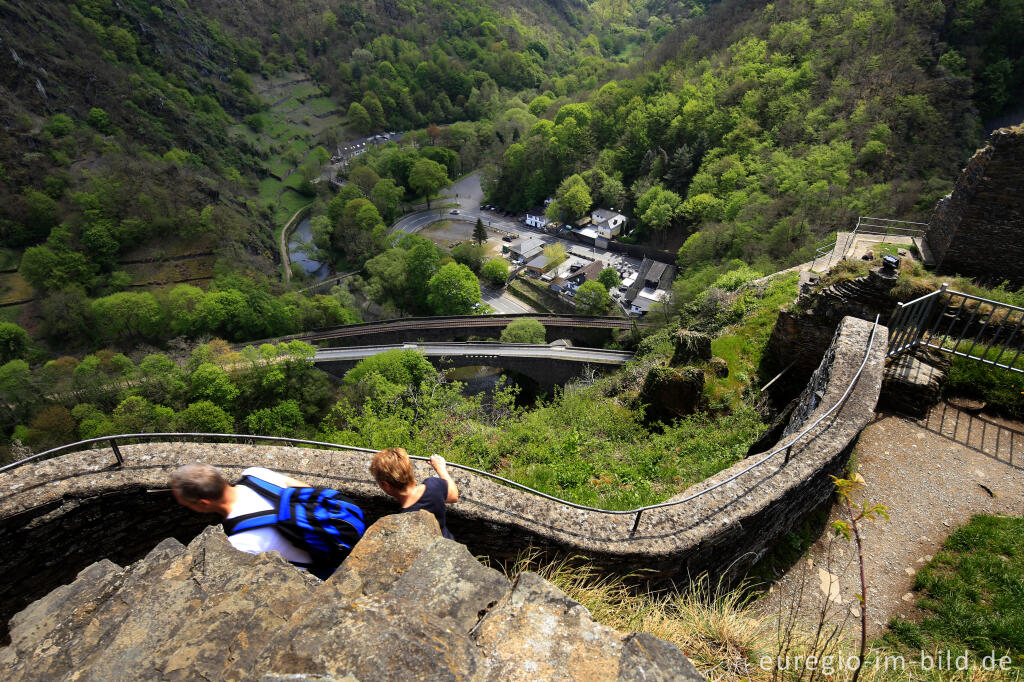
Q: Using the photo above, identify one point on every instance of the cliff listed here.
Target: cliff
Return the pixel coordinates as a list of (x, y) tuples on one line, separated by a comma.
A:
[(406, 604)]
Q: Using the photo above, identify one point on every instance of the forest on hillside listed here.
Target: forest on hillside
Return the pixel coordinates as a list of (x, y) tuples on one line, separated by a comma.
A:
[(149, 160)]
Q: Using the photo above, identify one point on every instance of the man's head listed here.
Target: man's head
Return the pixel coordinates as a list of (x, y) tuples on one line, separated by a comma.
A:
[(200, 487), (392, 470)]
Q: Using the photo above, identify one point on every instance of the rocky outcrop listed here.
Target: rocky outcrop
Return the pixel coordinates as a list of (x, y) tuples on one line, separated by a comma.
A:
[(978, 229), (690, 346), (669, 393), (407, 604)]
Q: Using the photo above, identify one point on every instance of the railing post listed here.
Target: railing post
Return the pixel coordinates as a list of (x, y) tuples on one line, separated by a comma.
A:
[(636, 523), (117, 452)]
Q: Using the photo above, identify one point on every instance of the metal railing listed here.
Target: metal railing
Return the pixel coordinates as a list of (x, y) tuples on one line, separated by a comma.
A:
[(866, 225), (963, 325), (785, 448)]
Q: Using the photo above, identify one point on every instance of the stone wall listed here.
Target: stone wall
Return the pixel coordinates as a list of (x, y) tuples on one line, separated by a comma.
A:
[(978, 229), (58, 516)]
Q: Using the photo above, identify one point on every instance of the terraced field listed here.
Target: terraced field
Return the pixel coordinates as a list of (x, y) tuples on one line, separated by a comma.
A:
[(293, 126)]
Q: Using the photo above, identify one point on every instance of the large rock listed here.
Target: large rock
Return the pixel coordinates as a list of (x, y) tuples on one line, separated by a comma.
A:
[(690, 347), (406, 604), (670, 393)]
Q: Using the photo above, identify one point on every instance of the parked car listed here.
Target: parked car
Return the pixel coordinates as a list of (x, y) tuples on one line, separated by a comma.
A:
[(454, 211), (507, 238)]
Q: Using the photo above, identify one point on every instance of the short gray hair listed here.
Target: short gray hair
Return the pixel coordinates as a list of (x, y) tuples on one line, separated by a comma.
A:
[(198, 481)]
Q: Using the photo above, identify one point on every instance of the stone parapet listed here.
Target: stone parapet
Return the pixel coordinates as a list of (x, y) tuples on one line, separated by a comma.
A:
[(58, 516)]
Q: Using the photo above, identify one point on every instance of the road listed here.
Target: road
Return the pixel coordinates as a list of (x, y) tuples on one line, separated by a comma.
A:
[(513, 350), (503, 302), (468, 194)]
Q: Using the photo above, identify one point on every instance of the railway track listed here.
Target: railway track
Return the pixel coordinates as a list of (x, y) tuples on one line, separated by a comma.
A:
[(460, 323)]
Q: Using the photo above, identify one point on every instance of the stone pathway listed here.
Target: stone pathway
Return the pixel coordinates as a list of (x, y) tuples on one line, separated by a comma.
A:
[(933, 475)]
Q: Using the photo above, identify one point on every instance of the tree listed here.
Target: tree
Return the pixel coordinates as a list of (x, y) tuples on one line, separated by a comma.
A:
[(573, 196), (386, 196), (204, 417), (99, 119), (401, 367), (592, 299), (427, 177), (364, 178), (127, 315), (359, 118), (470, 255), (658, 207), (555, 253), (495, 271), (284, 419), (13, 342), (479, 233), (523, 331), (454, 290), (210, 382), (422, 263), (137, 415), (609, 278)]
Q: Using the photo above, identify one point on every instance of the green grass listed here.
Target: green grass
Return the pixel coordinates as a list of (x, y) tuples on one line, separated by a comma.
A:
[(270, 188), (293, 181), (320, 106), (972, 593), (743, 344), (290, 202), (299, 145), (1000, 388), (278, 167)]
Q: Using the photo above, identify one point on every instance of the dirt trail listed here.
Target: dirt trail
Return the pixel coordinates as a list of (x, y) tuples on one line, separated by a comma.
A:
[(933, 475)]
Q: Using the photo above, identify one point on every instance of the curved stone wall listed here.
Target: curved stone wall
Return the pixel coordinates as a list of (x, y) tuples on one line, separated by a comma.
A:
[(58, 516)]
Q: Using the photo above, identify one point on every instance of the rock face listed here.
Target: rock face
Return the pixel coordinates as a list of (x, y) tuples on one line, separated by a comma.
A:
[(978, 229), (407, 604)]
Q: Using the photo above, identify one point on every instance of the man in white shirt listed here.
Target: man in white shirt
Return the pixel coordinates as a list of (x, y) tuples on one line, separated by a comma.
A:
[(203, 488)]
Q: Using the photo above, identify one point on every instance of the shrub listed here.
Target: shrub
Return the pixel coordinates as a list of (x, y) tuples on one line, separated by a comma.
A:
[(523, 331), (495, 271)]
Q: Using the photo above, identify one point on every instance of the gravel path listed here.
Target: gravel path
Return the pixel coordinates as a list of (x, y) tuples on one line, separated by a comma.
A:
[(933, 476)]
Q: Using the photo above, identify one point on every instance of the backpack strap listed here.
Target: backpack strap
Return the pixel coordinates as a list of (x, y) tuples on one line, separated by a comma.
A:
[(240, 524), (264, 488), (260, 519)]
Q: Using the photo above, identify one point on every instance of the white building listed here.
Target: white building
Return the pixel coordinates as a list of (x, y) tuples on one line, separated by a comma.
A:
[(607, 223), (535, 217)]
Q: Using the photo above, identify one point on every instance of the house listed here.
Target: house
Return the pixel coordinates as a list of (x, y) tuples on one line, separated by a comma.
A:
[(535, 217), (526, 249), (652, 285), (608, 224), (587, 273), (540, 266)]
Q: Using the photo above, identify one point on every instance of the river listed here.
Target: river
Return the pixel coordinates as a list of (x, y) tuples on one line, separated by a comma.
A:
[(300, 241)]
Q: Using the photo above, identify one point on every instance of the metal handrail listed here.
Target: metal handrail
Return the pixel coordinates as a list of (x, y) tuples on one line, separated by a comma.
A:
[(787, 448)]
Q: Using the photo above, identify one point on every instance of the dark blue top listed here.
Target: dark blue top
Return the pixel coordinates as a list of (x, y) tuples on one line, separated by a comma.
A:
[(433, 501)]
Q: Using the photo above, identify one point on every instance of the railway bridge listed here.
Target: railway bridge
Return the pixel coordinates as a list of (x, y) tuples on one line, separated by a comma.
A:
[(580, 329), (548, 365)]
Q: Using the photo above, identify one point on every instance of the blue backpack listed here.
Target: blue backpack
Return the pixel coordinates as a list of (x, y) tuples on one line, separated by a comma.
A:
[(322, 521)]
